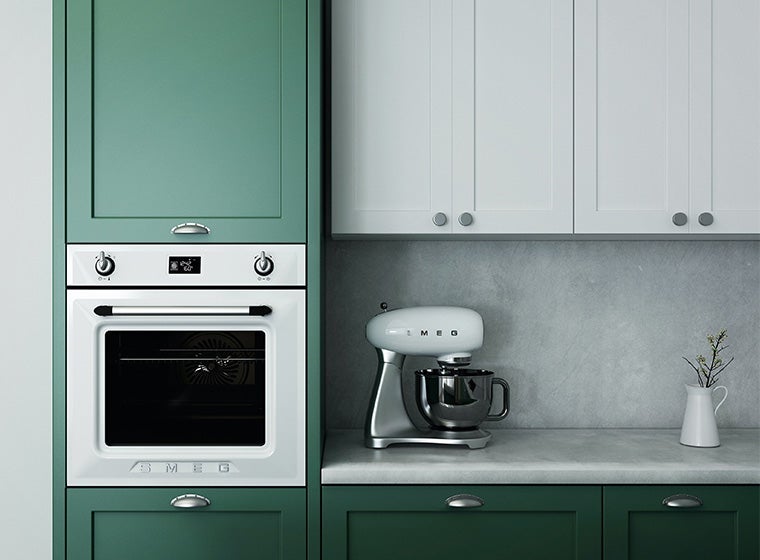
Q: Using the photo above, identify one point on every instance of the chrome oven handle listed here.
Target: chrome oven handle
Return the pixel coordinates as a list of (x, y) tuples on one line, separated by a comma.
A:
[(114, 310)]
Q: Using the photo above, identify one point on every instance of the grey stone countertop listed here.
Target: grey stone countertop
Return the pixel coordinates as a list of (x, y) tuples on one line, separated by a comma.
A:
[(549, 456)]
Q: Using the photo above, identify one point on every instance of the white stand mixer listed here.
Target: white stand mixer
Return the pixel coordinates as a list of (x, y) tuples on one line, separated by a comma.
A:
[(449, 334)]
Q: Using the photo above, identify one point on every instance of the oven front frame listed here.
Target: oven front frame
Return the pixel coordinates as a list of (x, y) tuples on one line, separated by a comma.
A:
[(279, 462)]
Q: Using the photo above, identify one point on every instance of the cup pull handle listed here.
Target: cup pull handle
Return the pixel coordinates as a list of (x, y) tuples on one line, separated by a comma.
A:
[(682, 501), (191, 227), (464, 501), (190, 501), (505, 399)]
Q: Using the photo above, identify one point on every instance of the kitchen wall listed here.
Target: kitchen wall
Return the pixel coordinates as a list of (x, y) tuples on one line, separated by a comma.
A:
[(25, 282), (588, 333)]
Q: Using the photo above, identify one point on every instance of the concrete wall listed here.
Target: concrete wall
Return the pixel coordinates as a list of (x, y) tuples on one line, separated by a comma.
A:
[(588, 333), (25, 280)]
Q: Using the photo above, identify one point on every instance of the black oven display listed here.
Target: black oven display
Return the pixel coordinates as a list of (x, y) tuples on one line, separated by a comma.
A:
[(184, 265), (183, 388)]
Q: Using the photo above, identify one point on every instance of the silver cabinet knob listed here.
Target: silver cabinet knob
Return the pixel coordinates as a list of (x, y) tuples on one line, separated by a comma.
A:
[(705, 218), (682, 501), (465, 218), (464, 501), (680, 219), (190, 501), (440, 219)]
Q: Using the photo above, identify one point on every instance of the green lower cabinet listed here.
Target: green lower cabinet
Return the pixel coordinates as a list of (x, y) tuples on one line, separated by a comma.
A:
[(415, 523), (638, 526), (139, 523)]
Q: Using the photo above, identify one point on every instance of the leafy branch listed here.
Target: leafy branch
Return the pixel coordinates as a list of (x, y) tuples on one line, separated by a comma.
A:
[(707, 375)]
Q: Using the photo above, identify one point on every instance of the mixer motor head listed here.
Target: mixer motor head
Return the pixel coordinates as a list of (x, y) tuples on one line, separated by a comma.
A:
[(448, 334)]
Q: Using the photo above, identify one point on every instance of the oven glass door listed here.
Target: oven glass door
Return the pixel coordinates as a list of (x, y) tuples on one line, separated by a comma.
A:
[(185, 388)]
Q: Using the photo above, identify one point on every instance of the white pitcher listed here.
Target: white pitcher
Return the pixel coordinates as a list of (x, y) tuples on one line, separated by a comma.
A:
[(699, 428)]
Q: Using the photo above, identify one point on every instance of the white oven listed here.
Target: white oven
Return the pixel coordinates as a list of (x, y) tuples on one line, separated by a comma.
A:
[(185, 365)]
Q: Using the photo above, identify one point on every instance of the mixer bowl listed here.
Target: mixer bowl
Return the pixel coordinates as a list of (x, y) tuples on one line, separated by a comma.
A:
[(457, 399)]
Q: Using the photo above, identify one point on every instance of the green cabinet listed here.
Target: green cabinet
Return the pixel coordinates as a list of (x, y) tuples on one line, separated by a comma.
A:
[(415, 523), (186, 111), (638, 526), (132, 523)]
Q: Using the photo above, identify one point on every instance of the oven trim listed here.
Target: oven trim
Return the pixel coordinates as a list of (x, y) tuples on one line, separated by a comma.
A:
[(279, 462)]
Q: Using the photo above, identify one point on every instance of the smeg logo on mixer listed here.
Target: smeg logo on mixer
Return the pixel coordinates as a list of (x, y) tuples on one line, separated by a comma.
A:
[(424, 332)]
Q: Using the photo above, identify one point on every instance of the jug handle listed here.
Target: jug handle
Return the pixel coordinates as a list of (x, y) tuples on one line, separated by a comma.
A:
[(725, 396), (505, 401)]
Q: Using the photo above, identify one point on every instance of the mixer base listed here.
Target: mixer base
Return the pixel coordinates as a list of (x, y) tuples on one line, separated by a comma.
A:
[(474, 439)]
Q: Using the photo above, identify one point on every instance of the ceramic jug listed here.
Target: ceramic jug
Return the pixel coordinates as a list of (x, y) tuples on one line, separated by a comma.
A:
[(699, 428)]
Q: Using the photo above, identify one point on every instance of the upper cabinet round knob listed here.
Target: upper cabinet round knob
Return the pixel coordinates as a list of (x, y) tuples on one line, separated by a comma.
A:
[(705, 218), (104, 266), (465, 218), (680, 219), (440, 219)]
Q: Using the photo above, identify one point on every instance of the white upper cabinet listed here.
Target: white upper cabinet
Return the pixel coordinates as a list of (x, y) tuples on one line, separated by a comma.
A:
[(391, 116), (451, 116), (667, 116), (500, 117), (631, 115), (513, 116), (725, 158)]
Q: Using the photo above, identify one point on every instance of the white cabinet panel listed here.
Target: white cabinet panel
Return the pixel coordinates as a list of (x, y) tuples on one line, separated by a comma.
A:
[(631, 114), (391, 115), (452, 107), (726, 127), (513, 115)]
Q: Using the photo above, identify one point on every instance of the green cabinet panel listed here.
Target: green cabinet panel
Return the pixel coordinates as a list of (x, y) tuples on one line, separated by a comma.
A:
[(186, 111), (130, 523), (637, 526), (414, 522)]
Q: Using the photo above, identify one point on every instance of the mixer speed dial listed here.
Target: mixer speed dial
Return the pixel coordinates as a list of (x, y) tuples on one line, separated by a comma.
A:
[(263, 265)]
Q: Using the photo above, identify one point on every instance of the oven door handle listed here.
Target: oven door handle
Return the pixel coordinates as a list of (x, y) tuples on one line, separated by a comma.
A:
[(116, 310)]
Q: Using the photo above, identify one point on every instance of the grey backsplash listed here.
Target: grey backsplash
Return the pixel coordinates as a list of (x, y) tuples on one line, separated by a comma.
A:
[(588, 333)]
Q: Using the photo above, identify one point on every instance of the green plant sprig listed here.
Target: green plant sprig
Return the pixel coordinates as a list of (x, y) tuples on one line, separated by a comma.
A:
[(707, 375)]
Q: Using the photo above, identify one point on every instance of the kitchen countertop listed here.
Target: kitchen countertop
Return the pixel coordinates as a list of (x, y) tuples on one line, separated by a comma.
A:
[(549, 456)]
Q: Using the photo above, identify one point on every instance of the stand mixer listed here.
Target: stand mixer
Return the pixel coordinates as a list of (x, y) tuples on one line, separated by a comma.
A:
[(453, 400)]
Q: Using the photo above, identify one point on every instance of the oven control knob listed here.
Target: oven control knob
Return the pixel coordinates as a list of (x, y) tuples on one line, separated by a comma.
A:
[(104, 266), (263, 265)]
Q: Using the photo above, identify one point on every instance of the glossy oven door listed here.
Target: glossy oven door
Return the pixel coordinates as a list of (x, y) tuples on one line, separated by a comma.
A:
[(172, 387)]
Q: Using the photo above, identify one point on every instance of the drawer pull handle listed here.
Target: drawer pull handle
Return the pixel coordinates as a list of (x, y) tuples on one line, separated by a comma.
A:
[(190, 227), (464, 501), (190, 501), (682, 501)]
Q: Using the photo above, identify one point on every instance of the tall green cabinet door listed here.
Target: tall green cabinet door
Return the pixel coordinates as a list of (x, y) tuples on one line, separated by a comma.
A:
[(700, 522), (186, 111), (141, 524)]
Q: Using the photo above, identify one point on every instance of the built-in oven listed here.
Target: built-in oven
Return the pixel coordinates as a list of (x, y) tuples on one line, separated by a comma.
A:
[(185, 365)]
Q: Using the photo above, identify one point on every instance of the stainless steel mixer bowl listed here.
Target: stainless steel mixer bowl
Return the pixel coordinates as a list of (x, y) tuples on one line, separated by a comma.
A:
[(457, 399)]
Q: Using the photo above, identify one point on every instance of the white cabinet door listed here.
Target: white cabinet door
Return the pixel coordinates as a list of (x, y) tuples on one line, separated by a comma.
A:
[(513, 116), (726, 116), (632, 99), (391, 116)]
